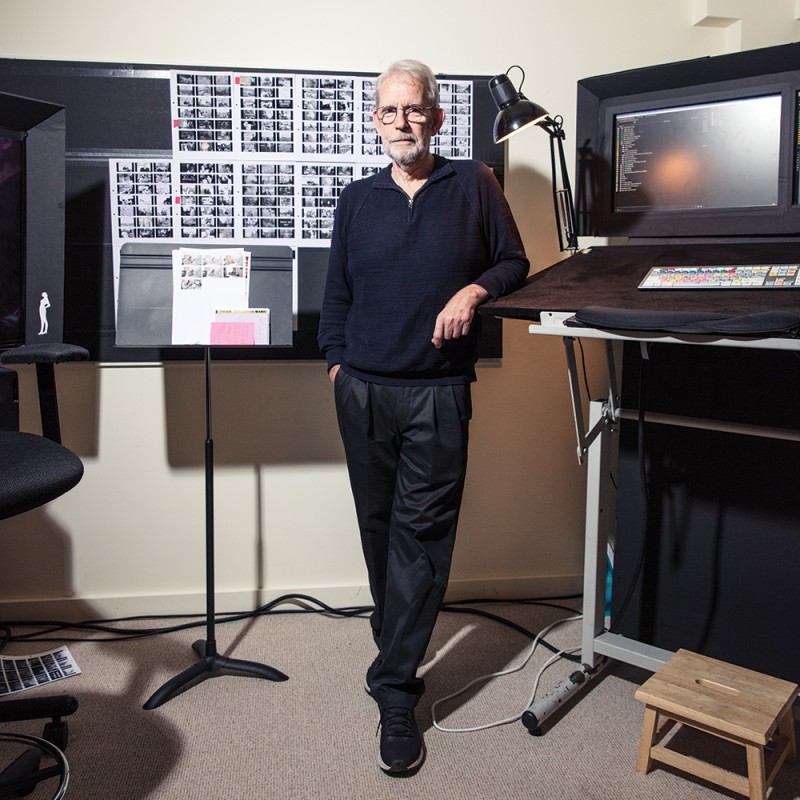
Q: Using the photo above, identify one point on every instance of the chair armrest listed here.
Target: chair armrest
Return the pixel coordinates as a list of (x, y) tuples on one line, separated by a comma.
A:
[(54, 707)]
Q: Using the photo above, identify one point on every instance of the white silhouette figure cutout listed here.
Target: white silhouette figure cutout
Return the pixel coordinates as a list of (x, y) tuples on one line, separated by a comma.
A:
[(44, 304)]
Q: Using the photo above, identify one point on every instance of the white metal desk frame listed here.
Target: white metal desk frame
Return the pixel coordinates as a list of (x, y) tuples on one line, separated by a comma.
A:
[(596, 445)]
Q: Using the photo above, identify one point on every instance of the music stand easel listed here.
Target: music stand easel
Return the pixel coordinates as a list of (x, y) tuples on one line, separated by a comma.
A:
[(209, 660)]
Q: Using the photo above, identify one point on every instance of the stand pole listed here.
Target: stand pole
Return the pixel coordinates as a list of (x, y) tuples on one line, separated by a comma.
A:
[(209, 660)]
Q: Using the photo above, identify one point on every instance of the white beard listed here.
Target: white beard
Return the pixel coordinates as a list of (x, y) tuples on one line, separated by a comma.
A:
[(407, 156)]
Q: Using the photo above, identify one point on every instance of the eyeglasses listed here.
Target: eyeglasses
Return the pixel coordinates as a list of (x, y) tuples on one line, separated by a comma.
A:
[(387, 114)]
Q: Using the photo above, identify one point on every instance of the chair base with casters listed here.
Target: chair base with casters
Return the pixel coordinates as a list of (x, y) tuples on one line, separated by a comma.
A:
[(24, 774), (27, 771), (33, 471), (56, 707)]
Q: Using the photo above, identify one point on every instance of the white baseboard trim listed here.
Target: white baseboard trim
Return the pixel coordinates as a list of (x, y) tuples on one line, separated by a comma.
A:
[(80, 609)]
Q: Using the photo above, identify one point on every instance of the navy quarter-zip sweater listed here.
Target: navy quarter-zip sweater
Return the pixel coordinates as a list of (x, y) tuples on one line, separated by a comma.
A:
[(395, 262)]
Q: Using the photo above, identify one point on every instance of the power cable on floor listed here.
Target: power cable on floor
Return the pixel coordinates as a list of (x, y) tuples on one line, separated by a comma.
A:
[(115, 630), (558, 654)]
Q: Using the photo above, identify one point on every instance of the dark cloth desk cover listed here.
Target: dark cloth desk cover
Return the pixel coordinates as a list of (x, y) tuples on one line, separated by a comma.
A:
[(609, 276)]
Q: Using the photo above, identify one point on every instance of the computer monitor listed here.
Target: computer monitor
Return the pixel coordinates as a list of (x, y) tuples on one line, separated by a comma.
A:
[(697, 149), (722, 154)]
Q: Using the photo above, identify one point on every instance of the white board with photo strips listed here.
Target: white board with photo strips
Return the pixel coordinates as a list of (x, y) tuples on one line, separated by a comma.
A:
[(260, 156), (264, 156)]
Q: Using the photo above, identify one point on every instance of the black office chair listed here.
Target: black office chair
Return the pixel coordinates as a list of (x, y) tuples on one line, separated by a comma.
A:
[(33, 471)]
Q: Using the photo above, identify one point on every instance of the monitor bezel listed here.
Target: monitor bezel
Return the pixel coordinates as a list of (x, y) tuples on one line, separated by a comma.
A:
[(739, 76)]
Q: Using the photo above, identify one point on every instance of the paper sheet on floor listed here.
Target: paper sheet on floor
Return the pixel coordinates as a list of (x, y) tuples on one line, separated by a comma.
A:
[(18, 673)]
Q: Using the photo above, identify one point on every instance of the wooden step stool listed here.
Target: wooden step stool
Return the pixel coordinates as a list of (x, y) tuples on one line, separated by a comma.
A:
[(733, 703)]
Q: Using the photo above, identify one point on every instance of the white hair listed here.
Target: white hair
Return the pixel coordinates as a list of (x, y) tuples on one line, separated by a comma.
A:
[(413, 71)]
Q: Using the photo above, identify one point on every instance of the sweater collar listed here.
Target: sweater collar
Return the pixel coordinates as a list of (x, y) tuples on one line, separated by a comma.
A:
[(441, 167)]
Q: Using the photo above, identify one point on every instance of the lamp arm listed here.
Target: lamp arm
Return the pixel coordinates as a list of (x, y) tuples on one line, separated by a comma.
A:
[(563, 203)]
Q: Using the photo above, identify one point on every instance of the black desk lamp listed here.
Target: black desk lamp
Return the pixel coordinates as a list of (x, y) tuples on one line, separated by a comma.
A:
[(515, 113)]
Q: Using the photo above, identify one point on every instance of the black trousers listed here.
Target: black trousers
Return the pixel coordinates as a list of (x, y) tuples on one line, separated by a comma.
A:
[(406, 450)]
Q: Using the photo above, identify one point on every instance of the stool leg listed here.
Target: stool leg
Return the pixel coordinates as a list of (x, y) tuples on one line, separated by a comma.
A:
[(756, 772), (786, 729), (648, 737)]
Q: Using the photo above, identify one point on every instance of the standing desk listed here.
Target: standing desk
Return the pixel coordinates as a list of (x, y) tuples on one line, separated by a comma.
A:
[(605, 280)]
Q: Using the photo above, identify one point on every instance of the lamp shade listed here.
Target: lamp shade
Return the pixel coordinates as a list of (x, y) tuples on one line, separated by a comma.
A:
[(515, 111)]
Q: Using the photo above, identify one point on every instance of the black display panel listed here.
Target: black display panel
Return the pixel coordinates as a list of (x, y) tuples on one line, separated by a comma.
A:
[(12, 264), (696, 149), (32, 167), (704, 156)]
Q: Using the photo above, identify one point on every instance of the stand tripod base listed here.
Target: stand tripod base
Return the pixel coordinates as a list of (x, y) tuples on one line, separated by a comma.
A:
[(210, 661)]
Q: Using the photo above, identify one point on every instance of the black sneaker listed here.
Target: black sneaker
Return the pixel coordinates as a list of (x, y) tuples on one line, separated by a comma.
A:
[(402, 749)]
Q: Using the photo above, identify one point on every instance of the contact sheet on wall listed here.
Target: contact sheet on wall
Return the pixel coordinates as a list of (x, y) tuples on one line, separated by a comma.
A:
[(260, 158), (263, 156)]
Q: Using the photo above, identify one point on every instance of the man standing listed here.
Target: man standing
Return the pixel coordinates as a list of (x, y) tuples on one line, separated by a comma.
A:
[(416, 248)]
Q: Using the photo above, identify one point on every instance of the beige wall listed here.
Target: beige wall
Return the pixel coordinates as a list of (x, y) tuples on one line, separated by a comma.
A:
[(129, 538)]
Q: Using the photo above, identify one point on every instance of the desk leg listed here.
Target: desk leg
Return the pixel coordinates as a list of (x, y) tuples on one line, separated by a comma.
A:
[(600, 512), (600, 516)]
